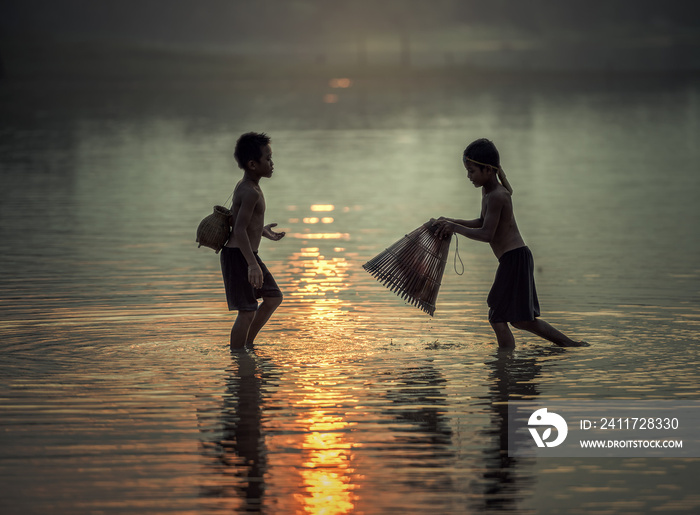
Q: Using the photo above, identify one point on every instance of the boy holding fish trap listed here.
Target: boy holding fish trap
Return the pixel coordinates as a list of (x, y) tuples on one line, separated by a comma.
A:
[(513, 297)]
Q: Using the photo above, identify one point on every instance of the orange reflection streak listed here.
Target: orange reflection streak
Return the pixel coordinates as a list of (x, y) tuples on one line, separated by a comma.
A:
[(316, 282), (306, 234), (320, 235), (329, 483), (322, 207), (326, 469)]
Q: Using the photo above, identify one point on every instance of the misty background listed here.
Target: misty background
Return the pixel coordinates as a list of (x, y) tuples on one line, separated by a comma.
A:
[(118, 120), (239, 38)]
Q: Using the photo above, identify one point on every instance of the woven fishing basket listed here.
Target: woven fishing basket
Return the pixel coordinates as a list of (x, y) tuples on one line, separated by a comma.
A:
[(214, 230), (413, 267)]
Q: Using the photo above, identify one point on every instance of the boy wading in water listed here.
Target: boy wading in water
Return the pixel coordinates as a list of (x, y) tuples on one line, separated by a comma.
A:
[(513, 298), (246, 278)]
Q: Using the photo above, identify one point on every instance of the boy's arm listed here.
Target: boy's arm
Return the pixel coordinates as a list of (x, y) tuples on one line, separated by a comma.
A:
[(475, 224), (249, 198), (484, 232)]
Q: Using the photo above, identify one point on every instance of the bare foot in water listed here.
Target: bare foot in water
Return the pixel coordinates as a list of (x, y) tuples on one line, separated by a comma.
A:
[(577, 344)]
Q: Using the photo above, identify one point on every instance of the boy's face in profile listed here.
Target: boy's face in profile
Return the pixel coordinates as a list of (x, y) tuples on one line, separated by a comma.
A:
[(264, 167), (478, 175)]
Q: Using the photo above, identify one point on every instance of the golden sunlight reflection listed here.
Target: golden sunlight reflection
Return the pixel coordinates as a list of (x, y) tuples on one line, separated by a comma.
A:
[(317, 279), (342, 83), (326, 469), (322, 207), (306, 233), (320, 235), (318, 271)]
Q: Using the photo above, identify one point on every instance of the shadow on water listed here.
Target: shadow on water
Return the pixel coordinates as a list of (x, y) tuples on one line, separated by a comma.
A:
[(419, 462), (233, 449), (419, 406), (513, 376)]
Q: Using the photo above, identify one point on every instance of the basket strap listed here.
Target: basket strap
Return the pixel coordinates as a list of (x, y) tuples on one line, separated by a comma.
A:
[(230, 197)]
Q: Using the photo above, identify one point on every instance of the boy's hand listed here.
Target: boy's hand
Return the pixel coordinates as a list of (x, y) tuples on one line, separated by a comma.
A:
[(443, 227), (272, 235), (255, 276)]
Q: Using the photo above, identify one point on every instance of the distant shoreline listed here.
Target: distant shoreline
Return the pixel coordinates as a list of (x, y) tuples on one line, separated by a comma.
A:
[(84, 61)]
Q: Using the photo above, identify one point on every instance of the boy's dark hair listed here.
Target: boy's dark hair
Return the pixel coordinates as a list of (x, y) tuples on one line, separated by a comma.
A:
[(483, 151), (249, 147)]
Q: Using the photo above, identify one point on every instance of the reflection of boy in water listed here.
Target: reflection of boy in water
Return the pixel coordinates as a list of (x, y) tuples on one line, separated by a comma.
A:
[(246, 278), (513, 298)]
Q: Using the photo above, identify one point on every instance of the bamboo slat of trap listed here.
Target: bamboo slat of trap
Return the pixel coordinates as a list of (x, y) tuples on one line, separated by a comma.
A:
[(413, 267)]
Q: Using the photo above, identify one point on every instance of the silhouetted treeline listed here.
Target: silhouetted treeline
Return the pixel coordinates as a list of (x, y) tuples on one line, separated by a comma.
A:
[(230, 21), (224, 38)]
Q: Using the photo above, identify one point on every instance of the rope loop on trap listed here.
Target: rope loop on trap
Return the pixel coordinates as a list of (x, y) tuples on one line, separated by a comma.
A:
[(457, 256)]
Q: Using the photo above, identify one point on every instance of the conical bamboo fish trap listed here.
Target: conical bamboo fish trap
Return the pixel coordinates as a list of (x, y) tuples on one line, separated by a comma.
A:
[(413, 267), (214, 229)]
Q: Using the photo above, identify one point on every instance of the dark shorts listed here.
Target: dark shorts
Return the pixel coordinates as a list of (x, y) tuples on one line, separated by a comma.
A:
[(513, 297), (240, 294)]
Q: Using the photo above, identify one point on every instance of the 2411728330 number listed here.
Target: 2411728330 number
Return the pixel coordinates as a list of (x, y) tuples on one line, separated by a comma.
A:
[(640, 423)]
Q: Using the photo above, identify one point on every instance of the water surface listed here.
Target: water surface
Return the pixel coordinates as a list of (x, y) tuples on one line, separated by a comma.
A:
[(117, 390)]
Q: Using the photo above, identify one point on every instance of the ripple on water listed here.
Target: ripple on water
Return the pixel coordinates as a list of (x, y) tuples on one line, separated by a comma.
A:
[(117, 389)]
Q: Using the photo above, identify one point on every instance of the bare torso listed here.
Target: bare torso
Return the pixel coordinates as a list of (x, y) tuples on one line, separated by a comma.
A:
[(254, 221), (507, 235)]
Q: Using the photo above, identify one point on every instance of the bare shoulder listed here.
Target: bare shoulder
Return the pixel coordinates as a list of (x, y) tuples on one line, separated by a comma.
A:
[(246, 191), (499, 198)]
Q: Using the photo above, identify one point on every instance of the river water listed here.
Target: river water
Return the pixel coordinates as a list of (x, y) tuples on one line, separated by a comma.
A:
[(118, 393)]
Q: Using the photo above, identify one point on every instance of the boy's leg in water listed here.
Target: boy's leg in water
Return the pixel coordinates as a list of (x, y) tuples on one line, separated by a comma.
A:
[(546, 331), (240, 329), (503, 335), (262, 315)]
